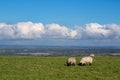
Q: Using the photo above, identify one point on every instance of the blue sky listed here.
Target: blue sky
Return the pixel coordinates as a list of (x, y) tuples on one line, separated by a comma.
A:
[(64, 12), (60, 17)]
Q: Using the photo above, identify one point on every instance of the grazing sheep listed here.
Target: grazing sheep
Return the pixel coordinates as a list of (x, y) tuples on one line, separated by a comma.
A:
[(92, 55), (86, 60), (71, 61)]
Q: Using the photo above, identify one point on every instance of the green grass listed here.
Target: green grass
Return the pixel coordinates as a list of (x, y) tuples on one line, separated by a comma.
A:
[(54, 68)]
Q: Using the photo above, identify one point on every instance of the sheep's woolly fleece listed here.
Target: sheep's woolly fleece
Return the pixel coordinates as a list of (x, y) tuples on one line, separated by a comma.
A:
[(71, 61), (86, 60)]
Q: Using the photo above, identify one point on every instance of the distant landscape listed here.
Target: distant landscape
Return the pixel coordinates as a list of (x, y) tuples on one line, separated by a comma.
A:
[(56, 50)]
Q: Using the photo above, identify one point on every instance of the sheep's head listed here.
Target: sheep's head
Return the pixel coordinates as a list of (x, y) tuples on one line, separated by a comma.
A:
[(80, 64)]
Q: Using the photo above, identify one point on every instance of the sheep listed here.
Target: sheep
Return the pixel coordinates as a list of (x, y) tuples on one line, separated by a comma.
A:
[(71, 61), (92, 55), (86, 60)]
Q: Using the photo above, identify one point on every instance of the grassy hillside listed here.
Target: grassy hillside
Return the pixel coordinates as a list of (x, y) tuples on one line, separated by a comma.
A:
[(54, 68)]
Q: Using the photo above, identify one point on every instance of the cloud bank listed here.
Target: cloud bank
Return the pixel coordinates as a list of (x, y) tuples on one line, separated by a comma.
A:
[(29, 30)]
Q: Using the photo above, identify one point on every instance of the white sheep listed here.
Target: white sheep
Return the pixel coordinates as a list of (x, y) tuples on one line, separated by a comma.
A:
[(71, 61), (86, 60), (92, 55)]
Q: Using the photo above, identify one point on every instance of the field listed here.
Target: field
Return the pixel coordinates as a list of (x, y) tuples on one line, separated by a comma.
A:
[(54, 68)]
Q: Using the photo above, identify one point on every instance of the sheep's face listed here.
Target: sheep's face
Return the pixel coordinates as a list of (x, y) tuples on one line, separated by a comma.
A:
[(68, 64), (80, 64)]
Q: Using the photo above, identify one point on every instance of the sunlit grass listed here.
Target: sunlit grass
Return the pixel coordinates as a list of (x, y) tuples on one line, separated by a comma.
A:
[(54, 68)]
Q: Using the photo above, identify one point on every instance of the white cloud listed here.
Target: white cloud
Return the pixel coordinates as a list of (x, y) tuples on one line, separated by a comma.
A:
[(57, 31), (73, 33), (95, 30), (6, 31), (115, 30), (29, 30)]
